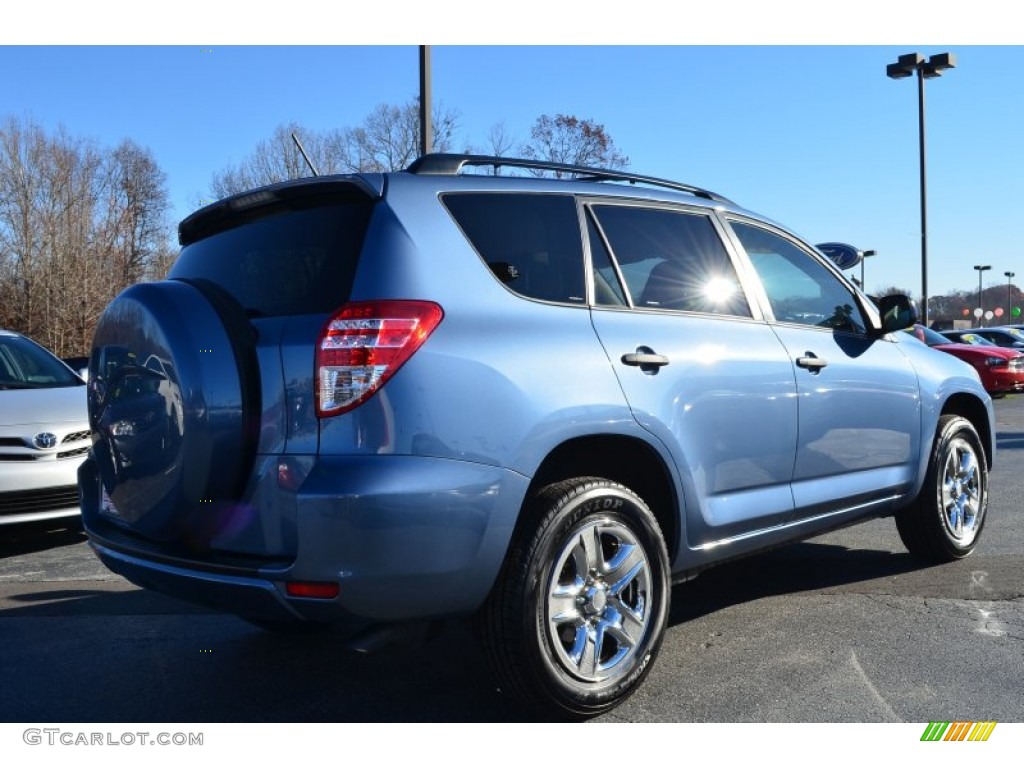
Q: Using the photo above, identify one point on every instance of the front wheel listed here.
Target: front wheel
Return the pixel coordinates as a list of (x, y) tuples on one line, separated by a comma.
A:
[(579, 611), (946, 519)]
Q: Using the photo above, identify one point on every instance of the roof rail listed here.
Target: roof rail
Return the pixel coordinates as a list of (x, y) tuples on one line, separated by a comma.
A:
[(445, 164)]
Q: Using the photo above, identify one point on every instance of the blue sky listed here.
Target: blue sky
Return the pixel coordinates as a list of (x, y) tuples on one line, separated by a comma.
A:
[(815, 136)]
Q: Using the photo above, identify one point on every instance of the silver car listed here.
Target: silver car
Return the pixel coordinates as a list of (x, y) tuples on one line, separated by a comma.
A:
[(44, 432)]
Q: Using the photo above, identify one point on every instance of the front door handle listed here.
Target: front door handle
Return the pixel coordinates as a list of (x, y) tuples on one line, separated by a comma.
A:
[(811, 362)]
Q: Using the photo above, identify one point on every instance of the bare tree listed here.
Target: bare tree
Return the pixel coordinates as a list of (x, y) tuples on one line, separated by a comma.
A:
[(46, 198), (278, 159), (952, 305), (133, 222), (387, 140), (574, 141), (500, 141), (77, 224)]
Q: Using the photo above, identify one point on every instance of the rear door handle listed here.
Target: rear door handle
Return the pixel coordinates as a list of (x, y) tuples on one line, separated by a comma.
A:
[(645, 357), (811, 362)]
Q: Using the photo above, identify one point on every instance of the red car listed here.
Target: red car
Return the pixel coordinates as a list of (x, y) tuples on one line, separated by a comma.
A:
[(1001, 369)]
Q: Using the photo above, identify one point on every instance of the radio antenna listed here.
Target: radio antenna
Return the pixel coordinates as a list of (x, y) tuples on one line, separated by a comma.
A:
[(304, 155)]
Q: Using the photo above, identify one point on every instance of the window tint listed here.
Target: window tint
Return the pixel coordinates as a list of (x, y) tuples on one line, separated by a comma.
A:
[(800, 290), (532, 243), (672, 260), (292, 260)]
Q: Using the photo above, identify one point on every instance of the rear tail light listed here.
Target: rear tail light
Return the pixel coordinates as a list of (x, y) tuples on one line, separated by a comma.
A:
[(363, 344)]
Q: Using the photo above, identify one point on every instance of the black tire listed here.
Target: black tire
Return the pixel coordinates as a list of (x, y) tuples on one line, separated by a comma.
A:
[(945, 521), (579, 611)]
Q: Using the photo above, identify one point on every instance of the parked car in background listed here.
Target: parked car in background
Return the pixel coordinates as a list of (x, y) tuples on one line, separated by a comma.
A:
[(968, 337), (1000, 369), (1000, 336), (377, 399), (44, 432)]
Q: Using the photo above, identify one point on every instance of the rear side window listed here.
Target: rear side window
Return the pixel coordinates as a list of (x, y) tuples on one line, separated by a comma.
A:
[(295, 258), (532, 243)]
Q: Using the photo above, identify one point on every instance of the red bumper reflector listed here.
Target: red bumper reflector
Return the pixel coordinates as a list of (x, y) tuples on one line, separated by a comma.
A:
[(324, 590)]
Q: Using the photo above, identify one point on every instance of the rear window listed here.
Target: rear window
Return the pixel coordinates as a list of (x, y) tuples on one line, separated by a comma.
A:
[(532, 243), (293, 258)]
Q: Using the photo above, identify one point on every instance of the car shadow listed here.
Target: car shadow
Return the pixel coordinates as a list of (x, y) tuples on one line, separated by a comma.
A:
[(25, 538), (211, 667), (805, 567)]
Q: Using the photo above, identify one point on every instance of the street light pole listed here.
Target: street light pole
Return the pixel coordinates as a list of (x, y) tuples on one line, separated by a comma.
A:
[(426, 126), (905, 66), (1009, 294), (981, 269)]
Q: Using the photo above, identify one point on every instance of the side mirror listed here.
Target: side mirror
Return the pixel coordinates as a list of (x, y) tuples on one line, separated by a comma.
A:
[(898, 312)]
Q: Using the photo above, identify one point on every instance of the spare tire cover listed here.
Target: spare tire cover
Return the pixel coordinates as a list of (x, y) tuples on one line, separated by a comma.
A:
[(171, 406)]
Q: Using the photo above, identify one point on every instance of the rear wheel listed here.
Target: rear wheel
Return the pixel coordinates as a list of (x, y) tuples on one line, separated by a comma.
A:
[(579, 612), (946, 519)]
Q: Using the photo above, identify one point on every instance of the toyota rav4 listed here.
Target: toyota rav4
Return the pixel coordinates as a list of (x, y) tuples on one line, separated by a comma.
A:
[(537, 401)]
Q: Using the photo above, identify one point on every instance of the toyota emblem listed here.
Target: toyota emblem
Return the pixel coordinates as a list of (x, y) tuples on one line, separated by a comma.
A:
[(45, 440)]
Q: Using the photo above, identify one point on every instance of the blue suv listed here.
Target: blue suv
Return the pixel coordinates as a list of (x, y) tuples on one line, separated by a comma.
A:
[(536, 400)]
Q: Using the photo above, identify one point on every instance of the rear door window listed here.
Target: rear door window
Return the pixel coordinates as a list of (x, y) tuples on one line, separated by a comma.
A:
[(531, 243)]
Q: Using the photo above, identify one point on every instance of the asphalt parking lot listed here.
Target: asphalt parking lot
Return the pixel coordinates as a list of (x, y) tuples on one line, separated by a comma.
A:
[(843, 628)]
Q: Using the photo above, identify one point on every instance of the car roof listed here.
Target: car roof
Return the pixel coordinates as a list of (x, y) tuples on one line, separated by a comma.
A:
[(443, 172)]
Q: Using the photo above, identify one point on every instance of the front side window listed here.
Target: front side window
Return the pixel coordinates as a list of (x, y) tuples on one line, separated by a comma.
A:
[(671, 260), (532, 243), (799, 289)]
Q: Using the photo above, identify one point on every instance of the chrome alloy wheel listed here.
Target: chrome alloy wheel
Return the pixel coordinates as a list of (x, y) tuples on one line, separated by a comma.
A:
[(598, 605), (961, 490)]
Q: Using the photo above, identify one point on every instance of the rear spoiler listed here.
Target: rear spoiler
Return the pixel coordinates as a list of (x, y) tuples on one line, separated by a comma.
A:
[(236, 209)]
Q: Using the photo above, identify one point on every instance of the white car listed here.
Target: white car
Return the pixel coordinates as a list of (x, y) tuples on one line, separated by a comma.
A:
[(44, 432)]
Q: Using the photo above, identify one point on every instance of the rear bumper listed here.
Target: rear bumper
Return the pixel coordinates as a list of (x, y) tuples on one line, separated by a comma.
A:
[(404, 538), (246, 596)]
